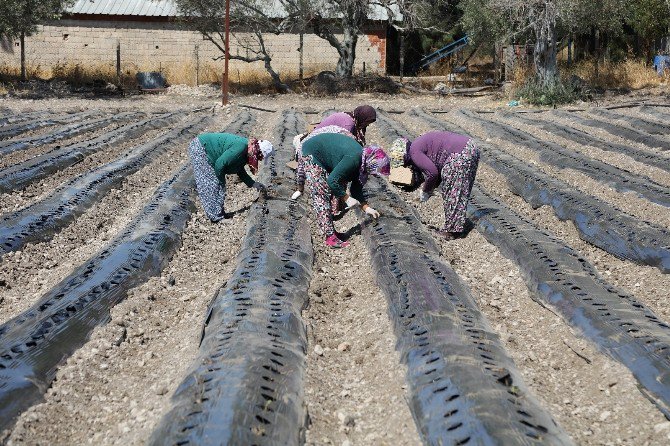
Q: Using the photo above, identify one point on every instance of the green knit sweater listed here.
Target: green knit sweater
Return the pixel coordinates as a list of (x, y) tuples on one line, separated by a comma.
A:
[(227, 154), (341, 157)]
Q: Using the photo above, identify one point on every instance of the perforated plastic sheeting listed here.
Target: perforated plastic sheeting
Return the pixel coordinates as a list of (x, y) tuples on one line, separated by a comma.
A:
[(33, 344), (578, 136), (464, 388), (597, 222), (42, 220), (616, 130), (246, 386), (562, 158), (68, 131), (657, 114), (15, 117), (18, 176), (559, 278), (653, 128), (10, 131)]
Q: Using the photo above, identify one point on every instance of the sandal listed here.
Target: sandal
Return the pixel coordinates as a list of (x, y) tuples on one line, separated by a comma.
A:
[(335, 242)]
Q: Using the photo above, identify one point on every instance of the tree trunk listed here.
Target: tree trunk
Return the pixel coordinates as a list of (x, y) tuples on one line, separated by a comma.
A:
[(276, 80), (301, 49), (402, 53), (544, 56), (24, 77), (345, 64)]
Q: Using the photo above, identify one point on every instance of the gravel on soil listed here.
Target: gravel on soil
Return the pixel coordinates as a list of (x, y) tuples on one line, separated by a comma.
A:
[(116, 388), (29, 273), (355, 387), (619, 160), (628, 202), (584, 396), (39, 190)]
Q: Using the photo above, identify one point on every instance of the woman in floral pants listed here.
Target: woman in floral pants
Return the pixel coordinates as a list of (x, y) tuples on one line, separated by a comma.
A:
[(332, 160), (448, 159)]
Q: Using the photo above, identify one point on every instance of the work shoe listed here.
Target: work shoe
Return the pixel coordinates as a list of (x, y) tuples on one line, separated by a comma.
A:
[(335, 242)]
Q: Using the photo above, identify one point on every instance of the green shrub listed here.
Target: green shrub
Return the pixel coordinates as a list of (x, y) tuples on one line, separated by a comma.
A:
[(560, 92)]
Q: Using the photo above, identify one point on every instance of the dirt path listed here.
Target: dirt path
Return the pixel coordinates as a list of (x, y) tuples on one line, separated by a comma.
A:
[(355, 383)]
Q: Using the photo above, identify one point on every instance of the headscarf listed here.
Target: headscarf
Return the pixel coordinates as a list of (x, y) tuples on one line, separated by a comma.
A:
[(399, 152), (374, 162), (363, 115), (258, 150)]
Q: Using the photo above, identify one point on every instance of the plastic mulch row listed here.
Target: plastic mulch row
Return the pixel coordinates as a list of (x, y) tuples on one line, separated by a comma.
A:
[(246, 385), (43, 219), (597, 222), (19, 176), (563, 158), (34, 343), (559, 278)]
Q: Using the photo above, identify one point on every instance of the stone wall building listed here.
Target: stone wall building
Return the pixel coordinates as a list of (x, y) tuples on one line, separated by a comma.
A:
[(150, 36)]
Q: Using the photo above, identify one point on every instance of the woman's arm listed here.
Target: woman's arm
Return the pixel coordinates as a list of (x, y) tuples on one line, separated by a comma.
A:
[(427, 167)]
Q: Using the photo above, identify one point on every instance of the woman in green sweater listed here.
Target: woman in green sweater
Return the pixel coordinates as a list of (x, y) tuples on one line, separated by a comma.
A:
[(331, 161), (213, 156)]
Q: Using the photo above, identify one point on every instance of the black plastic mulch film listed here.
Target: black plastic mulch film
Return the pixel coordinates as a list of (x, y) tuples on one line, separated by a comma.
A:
[(464, 388), (33, 344), (559, 278), (659, 116), (563, 158), (581, 137), (648, 126), (597, 222), (12, 130), (13, 117), (67, 131), (246, 386), (43, 219), (18, 176), (612, 128)]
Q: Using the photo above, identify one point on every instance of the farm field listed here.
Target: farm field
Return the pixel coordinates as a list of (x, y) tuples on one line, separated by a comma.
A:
[(127, 317)]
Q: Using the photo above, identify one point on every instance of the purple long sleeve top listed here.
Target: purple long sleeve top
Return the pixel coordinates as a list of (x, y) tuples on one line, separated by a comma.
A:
[(339, 119), (430, 151)]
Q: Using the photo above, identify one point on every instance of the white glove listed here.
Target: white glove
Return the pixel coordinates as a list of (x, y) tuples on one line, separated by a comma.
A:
[(295, 195), (371, 212), (423, 196), (351, 202)]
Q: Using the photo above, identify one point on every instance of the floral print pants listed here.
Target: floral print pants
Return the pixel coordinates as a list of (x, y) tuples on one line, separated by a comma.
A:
[(210, 191), (458, 176), (323, 202)]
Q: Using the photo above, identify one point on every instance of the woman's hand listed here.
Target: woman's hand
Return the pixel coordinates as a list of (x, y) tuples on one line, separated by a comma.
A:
[(296, 195), (369, 210), (350, 201), (423, 196)]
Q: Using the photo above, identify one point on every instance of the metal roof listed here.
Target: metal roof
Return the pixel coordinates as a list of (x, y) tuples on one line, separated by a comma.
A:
[(167, 8), (145, 8)]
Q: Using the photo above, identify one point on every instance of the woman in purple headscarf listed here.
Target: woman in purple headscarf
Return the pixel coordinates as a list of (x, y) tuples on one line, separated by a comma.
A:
[(355, 123), (446, 159), (331, 161)]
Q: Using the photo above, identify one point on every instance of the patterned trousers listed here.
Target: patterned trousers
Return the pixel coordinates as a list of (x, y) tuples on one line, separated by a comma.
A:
[(210, 191), (458, 176), (323, 201)]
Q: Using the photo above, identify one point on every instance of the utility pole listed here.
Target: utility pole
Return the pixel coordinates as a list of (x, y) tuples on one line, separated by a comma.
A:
[(224, 85)]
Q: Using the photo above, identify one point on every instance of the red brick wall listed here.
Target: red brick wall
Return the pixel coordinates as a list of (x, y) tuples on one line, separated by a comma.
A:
[(377, 39)]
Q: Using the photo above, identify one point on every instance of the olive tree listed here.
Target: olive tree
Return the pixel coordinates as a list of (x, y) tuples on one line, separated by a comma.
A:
[(250, 22), (21, 18)]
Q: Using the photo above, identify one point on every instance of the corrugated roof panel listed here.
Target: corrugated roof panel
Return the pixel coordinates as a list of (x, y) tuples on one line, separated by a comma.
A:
[(167, 8), (147, 8)]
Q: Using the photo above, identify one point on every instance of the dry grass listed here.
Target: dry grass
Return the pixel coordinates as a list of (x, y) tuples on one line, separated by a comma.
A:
[(628, 75)]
